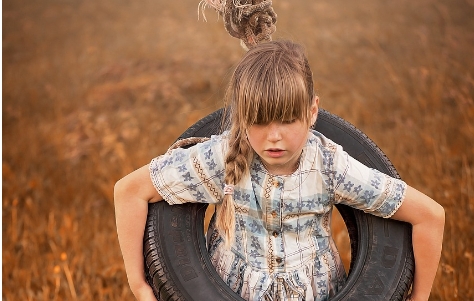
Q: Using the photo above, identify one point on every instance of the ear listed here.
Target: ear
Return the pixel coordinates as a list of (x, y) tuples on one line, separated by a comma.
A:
[(314, 110)]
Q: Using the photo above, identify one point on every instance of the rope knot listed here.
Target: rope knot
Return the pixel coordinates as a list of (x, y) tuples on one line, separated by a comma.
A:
[(251, 21)]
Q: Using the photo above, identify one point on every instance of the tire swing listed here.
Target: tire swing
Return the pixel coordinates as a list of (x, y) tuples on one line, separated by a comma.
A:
[(178, 267)]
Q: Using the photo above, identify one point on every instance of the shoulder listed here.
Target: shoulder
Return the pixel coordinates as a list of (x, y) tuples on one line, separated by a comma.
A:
[(213, 148), (321, 153), (215, 142), (320, 143)]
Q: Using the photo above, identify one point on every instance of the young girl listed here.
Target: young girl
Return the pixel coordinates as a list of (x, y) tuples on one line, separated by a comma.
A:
[(274, 181)]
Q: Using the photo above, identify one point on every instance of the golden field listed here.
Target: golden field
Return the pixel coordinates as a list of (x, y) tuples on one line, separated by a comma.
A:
[(95, 89)]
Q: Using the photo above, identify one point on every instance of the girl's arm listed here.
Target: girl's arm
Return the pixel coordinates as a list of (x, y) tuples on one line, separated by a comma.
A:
[(427, 218), (131, 197)]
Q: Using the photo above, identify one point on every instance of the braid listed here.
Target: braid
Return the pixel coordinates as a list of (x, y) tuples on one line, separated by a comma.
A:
[(237, 165)]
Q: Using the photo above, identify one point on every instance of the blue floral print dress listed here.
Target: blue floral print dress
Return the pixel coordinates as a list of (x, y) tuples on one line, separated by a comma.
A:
[(283, 249)]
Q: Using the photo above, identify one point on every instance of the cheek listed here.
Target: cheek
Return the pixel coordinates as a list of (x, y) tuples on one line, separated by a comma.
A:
[(299, 136), (254, 134), (255, 141), (253, 138)]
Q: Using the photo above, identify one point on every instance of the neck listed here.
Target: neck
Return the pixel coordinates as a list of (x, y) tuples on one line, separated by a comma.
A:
[(284, 172)]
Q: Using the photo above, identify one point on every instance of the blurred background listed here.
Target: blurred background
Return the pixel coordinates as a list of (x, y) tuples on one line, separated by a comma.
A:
[(95, 89)]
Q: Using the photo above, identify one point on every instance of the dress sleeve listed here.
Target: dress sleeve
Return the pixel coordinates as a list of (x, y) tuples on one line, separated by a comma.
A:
[(192, 175), (366, 188)]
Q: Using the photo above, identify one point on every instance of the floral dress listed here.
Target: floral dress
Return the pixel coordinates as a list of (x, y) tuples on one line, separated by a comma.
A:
[(283, 249)]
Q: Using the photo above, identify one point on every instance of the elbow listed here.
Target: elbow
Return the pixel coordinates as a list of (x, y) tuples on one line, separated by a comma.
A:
[(439, 215), (439, 218), (120, 188), (436, 218)]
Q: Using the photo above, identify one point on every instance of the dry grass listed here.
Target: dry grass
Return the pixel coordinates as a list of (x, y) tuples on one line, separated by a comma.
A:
[(95, 89)]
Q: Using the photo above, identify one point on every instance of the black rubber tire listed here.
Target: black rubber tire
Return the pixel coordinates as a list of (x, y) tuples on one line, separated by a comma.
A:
[(177, 265)]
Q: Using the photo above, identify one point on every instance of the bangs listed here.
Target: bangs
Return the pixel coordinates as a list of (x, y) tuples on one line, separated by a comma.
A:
[(275, 97)]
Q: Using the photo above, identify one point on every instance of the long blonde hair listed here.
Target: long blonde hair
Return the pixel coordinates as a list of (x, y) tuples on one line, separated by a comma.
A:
[(273, 81)]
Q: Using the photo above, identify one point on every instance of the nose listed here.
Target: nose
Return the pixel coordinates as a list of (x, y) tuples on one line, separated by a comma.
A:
[(274, 132)]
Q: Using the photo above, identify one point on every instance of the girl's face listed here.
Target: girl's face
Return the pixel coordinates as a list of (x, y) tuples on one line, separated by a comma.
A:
[(279, 144)]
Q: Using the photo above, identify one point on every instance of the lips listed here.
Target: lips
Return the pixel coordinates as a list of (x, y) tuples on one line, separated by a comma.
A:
[(274, 152)]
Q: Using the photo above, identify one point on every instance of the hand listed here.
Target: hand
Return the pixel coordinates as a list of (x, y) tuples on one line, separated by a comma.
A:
[(144, 293)]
